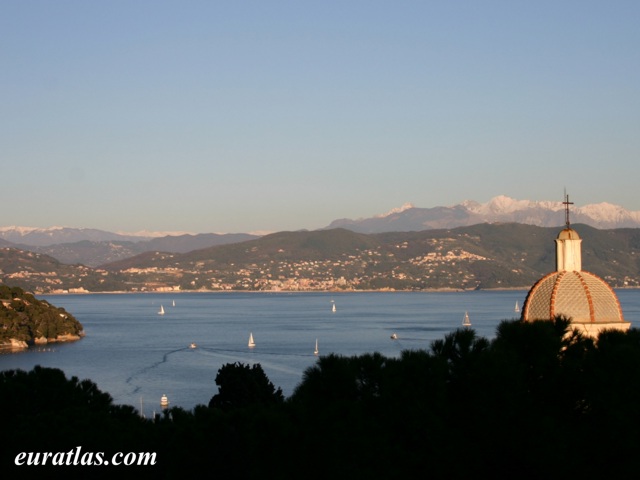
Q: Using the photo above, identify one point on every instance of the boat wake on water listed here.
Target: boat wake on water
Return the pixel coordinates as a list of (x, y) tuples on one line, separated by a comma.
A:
[(142, 371), (250, 355), (227, 354), (240, 355)]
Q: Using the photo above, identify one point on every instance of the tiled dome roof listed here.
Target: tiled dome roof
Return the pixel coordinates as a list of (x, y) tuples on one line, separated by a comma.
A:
[(579, 295)]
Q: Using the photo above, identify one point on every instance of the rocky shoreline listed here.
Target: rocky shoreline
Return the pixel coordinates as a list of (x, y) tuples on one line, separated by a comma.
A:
[(27, 321), (15, 344)]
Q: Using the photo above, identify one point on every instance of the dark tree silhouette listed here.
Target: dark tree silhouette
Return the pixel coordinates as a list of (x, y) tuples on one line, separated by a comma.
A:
[(538, 401), (241, 385), (46, 412)]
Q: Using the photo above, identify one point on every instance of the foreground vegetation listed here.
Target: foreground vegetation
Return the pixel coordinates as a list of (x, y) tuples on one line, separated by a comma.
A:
[(534, 402)]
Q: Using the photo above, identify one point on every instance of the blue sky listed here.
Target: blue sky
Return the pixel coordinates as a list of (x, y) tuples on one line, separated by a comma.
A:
[(212, 116)]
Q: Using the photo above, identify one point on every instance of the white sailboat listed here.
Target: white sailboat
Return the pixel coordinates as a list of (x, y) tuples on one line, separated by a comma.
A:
[(333, 308), (173, 303), (517, 309), (465, 321), (315, 352), (161, 312), (251, 343)]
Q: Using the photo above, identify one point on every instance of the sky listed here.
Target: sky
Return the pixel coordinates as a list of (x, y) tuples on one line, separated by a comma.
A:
[(258, 116)]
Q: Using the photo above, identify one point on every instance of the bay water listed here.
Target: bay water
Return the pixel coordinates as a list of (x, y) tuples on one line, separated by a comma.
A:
[(137, 355)]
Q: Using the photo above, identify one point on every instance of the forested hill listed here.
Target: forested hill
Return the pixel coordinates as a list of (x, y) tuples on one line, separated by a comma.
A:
[(25, 320), (482, 256)]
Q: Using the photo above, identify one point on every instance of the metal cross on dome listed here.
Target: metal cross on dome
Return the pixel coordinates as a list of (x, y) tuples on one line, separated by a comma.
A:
[(566, 204)]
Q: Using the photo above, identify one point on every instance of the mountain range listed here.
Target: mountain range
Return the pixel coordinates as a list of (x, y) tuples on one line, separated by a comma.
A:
[(93, 247), (504, 255), (500, 209), (101, 247)]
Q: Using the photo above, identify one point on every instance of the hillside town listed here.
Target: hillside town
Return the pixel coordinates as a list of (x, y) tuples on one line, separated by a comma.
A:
[(371, 269), (467, 258), (368, 270)]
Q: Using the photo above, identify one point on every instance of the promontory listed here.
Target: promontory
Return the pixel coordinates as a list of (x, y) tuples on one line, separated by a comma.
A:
[(25, 320)]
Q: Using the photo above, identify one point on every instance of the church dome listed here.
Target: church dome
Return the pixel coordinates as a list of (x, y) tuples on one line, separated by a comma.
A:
[(584, 298), (579, 295)]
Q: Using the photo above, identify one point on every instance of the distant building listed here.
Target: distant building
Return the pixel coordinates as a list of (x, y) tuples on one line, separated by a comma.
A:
[(585, 298)]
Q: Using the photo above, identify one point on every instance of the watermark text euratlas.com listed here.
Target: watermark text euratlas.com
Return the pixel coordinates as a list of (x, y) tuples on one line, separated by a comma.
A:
[(75, 456)]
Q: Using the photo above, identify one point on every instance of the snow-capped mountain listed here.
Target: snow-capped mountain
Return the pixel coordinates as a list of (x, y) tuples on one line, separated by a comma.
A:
[(499, 209), (406, 218), (40, 237)]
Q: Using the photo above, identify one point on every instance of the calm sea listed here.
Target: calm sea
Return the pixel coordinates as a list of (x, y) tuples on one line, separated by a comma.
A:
[(137, 355)]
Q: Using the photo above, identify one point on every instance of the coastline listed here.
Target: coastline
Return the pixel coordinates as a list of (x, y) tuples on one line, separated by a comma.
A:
[(16, 345), (426, 290), (180, 292)]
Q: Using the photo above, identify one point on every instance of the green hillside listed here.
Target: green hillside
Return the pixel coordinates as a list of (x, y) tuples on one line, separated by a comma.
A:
[(506, 255), (481, 256), (26, 320)]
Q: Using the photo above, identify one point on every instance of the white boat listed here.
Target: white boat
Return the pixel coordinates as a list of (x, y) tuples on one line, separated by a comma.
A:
[(173, 303), (164, 401), (517, 309), (161, 312), (333, 308), (315, 352), (251, 343), (394, 336), (465, 321), (193, 345)]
